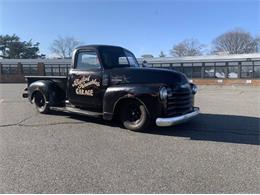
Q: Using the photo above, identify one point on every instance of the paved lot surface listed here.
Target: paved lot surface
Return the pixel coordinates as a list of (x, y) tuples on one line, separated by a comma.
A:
[(218, 152)]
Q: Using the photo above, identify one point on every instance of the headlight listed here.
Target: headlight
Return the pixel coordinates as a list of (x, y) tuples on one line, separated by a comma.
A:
[(163, 94), (194, 88)]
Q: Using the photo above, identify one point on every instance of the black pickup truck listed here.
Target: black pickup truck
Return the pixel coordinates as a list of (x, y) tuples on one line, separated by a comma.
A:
[(107, 81)]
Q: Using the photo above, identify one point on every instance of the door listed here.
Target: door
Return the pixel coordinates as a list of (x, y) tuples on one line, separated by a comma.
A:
[(85, 81)]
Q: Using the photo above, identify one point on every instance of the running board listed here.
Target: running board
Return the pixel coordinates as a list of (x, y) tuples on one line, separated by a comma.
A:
[(77, 111)]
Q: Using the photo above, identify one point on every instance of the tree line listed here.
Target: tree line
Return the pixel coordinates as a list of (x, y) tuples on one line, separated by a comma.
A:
[(12, 47), (232, 42)]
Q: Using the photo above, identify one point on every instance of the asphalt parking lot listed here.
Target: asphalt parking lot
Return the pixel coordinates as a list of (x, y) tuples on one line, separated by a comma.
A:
[(218, 152)]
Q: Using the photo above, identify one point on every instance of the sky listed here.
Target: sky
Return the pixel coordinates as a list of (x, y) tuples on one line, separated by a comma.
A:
[(144, 27)]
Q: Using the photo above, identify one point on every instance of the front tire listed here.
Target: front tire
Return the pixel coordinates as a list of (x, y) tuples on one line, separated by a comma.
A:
[(134, 116), (41, 103)]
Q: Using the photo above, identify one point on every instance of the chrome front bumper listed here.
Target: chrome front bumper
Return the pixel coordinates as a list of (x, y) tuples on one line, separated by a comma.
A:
[(163, 122)]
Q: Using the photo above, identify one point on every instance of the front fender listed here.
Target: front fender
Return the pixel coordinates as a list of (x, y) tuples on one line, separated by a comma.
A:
[(145, 93)]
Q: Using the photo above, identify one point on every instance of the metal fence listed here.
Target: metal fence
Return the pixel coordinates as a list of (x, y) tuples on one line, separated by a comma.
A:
[(30, 69), (56, 70), (231, 69), (9, 69), (33, 69)]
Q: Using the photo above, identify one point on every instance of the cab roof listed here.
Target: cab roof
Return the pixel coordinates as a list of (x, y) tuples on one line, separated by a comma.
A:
[(97, 46)]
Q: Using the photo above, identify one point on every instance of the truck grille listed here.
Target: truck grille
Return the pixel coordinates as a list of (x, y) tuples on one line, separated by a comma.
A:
[(179, 102)]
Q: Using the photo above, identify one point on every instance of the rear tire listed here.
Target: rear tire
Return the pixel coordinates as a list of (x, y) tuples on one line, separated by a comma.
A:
[(134, 116), (40, 103)]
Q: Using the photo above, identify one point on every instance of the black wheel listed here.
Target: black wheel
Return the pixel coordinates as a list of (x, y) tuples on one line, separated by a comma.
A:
[(134, 116), (40, 102)]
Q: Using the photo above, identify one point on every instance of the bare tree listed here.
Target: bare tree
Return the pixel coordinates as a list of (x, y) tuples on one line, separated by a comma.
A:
[(188, 47), (64, 46), (235, 42), (161, 55)]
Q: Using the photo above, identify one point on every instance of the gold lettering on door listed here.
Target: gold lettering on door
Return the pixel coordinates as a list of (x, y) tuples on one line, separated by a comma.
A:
[(85, 85)]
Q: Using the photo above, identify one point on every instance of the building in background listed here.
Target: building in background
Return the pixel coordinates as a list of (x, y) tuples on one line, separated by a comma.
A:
[(238, 68)]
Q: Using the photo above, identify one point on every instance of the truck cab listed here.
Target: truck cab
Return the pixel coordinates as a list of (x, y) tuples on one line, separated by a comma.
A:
[(92, 66), (107, 81)]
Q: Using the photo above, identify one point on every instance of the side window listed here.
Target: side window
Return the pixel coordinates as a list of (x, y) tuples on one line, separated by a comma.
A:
[(122, 61), (87, 60)]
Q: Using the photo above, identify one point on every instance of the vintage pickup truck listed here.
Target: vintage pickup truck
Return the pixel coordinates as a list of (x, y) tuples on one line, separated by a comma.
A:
[(107, 81)]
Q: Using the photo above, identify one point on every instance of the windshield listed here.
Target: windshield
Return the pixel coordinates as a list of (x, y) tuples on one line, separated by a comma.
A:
[(113, 57)]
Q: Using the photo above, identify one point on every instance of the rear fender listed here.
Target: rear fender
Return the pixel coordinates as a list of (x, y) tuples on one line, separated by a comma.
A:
[(46, 87)]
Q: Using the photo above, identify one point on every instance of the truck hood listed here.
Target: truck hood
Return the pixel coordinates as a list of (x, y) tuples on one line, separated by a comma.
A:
[(131, 75)]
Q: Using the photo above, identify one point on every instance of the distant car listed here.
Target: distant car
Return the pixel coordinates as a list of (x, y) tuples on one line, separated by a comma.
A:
[(232, 75), (220, 75), (107, 81)]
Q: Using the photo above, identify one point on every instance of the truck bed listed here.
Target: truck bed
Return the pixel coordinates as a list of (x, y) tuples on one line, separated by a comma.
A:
[(61, 81)]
